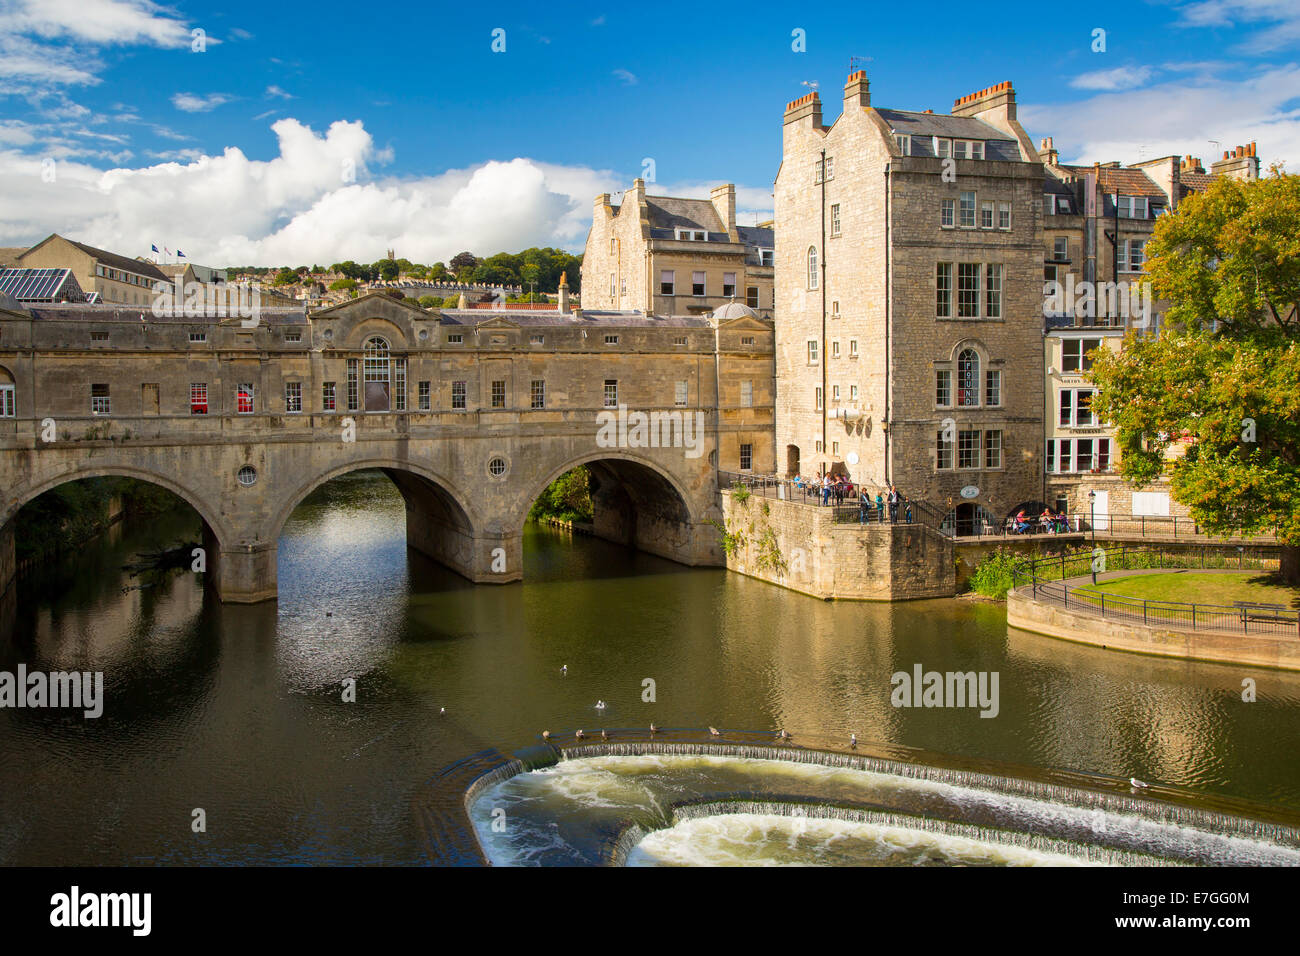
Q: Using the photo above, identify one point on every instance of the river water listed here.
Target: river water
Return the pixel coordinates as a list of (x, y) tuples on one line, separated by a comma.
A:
[(239, 711)]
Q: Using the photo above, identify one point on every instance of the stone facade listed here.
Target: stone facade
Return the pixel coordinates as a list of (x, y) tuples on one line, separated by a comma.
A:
[(471, 414), (798, 546), (632, 245), (865, 246)]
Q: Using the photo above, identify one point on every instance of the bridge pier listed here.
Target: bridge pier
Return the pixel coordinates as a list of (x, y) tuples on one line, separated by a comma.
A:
[(244, 574), (8, 563)]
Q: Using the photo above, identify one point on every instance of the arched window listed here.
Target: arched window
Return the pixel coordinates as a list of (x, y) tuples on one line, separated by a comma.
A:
[(812, 267), (8, 402), (377, 375), (968, 377)]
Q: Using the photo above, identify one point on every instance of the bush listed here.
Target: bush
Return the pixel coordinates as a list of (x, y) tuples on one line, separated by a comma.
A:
[(995, 575), (567, 498)]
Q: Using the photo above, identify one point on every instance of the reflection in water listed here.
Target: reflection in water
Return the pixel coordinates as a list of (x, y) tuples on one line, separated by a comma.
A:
[(239, 710)]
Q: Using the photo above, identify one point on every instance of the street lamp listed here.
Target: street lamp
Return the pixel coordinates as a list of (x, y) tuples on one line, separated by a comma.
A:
[(1092, 514)]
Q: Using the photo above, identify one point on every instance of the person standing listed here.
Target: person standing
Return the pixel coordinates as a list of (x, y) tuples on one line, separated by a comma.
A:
[(893, 505), (880, 508)]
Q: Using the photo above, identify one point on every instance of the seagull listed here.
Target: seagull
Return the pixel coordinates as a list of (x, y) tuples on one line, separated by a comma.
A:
[(580, 735), (1137, 784), (853, 740), (546, 735), (604, 736), (782, 734), (600, 705), (654, 729), (713, 732)]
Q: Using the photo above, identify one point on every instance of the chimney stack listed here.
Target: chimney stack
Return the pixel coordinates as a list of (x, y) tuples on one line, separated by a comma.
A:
[(1240, 163), (805, 108), (1000, 99), (724, 201), (564, 293), (1047, 152), (857, 90)]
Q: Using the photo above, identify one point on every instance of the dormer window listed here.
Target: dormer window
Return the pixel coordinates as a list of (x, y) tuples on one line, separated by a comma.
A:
[(692, 235), (1131, 207), (967, 149), (766, 257), (904, 143), (942, 147)]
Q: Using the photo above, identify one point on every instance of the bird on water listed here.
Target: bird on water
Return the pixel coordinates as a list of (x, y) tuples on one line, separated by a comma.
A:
[(564, 669), (580, 735), (604, 736), (546, 735), (782, 734), (1137, 784), (714, 732), (853, 740), (654, 729)]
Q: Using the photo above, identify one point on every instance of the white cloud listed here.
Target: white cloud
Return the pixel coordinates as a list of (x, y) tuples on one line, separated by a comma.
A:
[(195, 103), (299, 206), (1119, 78), (275, 91), (1178, 118), (1280, 20), (627, 76), (96, 21)]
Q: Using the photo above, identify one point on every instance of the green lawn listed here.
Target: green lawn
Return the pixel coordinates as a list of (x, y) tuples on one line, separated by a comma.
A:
[(1194, 587)]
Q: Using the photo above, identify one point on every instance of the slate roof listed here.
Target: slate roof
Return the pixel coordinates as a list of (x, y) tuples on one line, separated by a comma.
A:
[(611, 319), (668, 213), (757, 236), (941, 124), (119, 313), (113, 260)]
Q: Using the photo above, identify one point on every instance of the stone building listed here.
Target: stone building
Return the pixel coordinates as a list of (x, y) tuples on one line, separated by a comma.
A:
[(119, 280), (1096, 224), (668, 256), (909, 310)]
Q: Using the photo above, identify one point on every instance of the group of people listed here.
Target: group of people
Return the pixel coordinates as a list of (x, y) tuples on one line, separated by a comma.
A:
[(837, 489), (1048, 521), (891, 499)]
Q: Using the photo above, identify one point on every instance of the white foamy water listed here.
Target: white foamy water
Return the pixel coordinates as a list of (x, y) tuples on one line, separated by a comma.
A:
[(762, 839), (573, 811)]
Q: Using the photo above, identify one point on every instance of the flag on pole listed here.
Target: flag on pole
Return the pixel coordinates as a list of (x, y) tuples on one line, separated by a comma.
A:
[(154, 248), (166, 250), (179, 253)]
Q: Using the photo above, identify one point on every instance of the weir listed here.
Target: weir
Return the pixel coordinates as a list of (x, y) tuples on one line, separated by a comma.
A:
[(1094, 821)]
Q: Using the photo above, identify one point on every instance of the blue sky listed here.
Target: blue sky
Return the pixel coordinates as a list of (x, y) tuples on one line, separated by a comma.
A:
[(326, 130)]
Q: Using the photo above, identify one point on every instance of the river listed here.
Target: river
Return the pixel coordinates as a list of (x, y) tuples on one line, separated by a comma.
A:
[(240, 711)]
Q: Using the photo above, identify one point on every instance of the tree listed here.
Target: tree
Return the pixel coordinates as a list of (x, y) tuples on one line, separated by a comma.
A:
[(462, 262), (437, 272), (285, 276), (1225, 373), (343, 284), (429, 301)]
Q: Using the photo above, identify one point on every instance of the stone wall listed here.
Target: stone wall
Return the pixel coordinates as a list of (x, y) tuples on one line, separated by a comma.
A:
[(798, 546), (1282, 650)]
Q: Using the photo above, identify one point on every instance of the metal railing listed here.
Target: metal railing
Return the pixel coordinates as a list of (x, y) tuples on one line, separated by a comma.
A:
[(858, 508), (1141, 526), (1048, 580)]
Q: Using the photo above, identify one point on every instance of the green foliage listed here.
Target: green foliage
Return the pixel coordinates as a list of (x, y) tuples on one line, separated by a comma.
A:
[(995, 575), (348, 284), (285, 277), (567, 498), (731, 542), (769, 555), (67, 516), (429, 301), (740, 494), (1230, 256)]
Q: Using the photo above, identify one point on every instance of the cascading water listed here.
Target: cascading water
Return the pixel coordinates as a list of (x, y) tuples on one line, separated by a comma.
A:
[(652, 802)]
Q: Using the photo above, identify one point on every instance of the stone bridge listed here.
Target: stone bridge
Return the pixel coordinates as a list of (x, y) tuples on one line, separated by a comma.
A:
[(471, 415)]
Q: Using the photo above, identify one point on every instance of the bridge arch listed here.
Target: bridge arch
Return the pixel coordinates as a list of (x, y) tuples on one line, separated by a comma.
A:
[(439, 521), (210, 515), (638, 501)]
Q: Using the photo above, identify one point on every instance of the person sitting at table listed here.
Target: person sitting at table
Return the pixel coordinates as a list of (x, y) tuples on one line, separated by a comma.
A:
[(1022, 522)]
